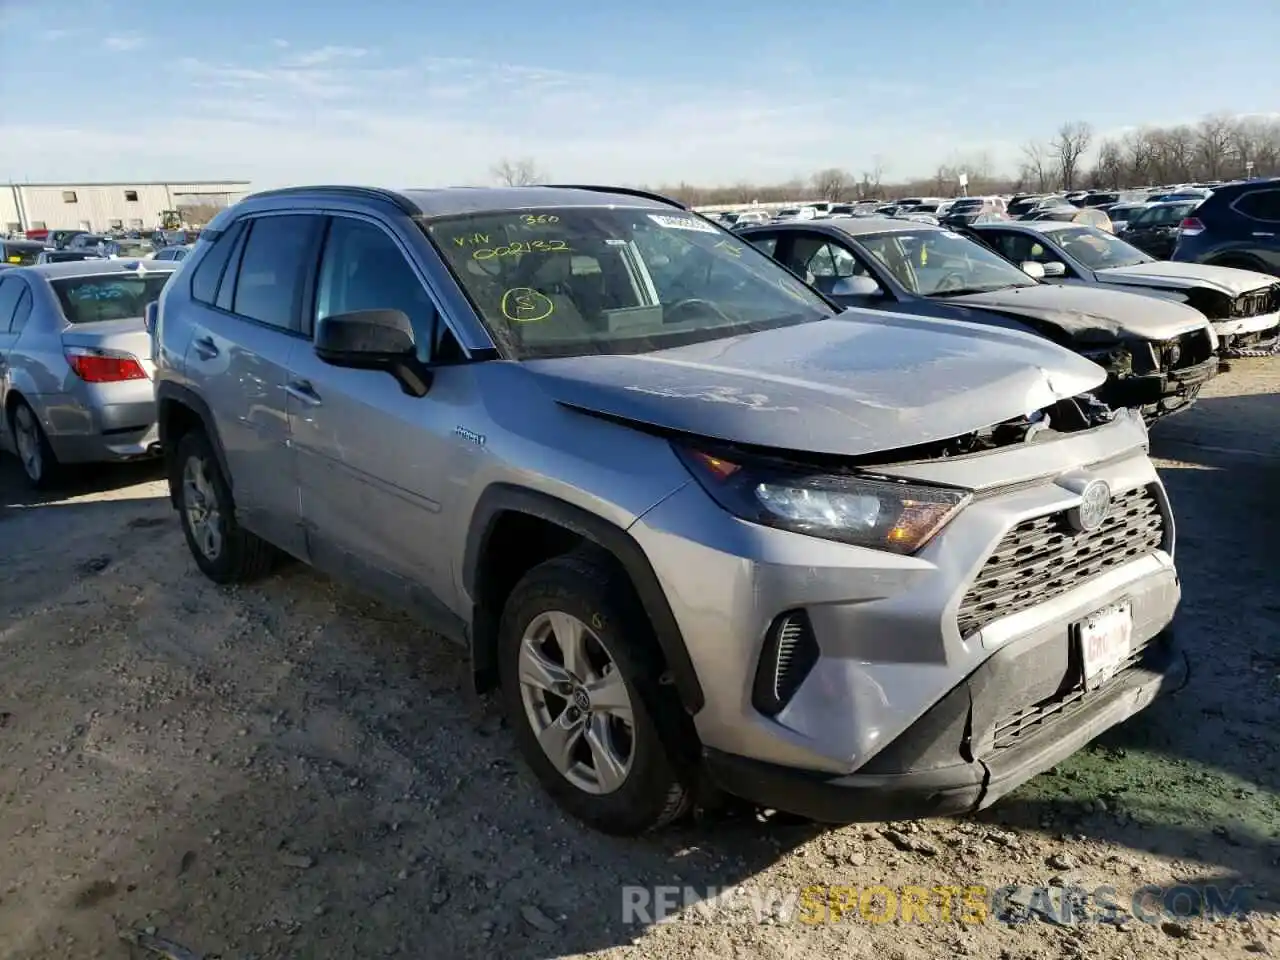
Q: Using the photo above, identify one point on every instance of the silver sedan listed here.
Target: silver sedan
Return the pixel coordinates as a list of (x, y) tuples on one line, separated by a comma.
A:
[(75, 363)]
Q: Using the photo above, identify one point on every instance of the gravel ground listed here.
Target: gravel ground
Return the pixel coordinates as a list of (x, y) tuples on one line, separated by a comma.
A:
[(290, 770)]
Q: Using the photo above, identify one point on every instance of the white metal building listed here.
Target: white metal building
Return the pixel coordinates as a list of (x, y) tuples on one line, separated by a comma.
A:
[(106, 206)]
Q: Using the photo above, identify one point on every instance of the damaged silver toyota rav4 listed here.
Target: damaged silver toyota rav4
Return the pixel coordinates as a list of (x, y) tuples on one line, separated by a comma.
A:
[(705, 541)]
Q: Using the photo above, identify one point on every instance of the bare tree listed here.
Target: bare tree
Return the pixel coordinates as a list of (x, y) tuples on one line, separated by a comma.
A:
[(832, 184), (1071, 143), (870, 185), (1110, 169), (1037, 164), (1213, 143), (517, 173)]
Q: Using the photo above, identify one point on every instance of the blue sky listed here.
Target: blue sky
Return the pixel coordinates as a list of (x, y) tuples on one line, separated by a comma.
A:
[(411, 93)]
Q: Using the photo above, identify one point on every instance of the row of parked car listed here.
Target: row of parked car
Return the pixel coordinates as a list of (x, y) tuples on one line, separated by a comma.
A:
[(850, 517), (63, 246)]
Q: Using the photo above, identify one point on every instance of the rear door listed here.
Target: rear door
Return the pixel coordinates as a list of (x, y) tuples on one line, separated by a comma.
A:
[(15, 302), (247, 326), (374, 462)]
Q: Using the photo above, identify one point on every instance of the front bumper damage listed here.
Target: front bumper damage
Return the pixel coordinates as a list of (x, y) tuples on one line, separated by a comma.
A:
[(965, 753)]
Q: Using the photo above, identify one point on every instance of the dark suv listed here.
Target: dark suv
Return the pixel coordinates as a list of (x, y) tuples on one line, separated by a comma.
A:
[(1237, 226)]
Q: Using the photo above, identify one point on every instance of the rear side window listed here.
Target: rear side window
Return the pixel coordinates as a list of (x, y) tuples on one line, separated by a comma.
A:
[(23, 311), (107, 296), (271, 269), (1260, 205), (205, 280), (10, 291)]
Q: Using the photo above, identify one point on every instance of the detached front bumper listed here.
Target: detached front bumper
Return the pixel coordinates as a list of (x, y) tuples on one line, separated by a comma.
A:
[(1165, 391), (904, 781)]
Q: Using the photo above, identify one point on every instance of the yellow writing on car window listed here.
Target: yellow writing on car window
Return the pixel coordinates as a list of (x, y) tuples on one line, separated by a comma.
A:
[(793, 289), (471, 240), (732, 249), (518, 247), (526, 305), (539, 219)]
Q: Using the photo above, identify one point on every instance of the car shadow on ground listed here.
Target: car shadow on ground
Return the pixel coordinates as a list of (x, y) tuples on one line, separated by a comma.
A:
[(74, 481)]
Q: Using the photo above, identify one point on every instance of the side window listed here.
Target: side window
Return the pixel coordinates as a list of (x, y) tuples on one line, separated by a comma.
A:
[(1260, 205), (204, 282), (269, 281), (811, 256), (363, 268), (1017, 247), (10, 290), (766, 245), (227, 289), (23, 309)]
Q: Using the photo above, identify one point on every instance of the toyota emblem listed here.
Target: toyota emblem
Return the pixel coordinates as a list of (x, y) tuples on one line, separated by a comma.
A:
[(1095, 507)]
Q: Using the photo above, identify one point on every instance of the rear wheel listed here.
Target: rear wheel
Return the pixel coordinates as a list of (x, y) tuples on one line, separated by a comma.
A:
[(579, 677), (34, 453), (223, 550)]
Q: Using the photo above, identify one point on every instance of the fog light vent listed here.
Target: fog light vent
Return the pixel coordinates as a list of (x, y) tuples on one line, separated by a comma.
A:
[(790, 652)]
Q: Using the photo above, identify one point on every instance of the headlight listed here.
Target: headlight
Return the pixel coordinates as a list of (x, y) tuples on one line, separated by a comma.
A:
[(875, 512)]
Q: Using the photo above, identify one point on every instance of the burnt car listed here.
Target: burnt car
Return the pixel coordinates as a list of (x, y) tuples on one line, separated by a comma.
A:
[(1242, 305), (1158, 354)]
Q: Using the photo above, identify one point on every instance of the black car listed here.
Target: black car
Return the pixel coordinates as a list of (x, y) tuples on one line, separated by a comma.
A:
[(1242, 305), (20, 253), (1158, 354), (1155, 230), (1237, 226)]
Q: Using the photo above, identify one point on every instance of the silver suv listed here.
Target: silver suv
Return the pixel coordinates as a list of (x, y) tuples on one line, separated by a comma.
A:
[(703, 540)]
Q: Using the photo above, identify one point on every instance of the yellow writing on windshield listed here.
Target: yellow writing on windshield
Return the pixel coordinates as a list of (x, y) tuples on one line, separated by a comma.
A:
[(518, 247), (730, 248), (471, 240), (539, 219), (526, 305), (793, 289)]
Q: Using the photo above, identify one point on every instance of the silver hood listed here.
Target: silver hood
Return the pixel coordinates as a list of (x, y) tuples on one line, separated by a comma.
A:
[(1172, 275), (864, 383), (1090, 313)]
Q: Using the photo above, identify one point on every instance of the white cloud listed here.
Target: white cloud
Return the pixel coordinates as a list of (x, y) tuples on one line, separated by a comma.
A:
[(123, 42), (280, 44), (336, 114)]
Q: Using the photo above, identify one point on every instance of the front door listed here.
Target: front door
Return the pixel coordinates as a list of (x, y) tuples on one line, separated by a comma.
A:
[(374, 462), (244, 335)]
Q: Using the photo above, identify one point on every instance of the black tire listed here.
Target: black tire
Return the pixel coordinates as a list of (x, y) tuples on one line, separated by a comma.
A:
[(48, 470), (596, 591), (243, 556)]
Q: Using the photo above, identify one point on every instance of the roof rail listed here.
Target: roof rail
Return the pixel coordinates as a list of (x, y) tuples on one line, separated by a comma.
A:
[(367, 193), (624, 191)]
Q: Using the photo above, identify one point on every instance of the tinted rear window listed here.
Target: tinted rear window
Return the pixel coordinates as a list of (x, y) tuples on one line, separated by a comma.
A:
[(20, 254), (107, 296)]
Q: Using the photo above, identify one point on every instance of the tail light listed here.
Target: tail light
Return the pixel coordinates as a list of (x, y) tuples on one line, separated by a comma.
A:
[(1190, 227), (93, 365)]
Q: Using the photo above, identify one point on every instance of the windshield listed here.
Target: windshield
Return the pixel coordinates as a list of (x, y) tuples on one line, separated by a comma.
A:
[(1098, 250), (941, 263), (593, 280), (134, 248), (107, 296)]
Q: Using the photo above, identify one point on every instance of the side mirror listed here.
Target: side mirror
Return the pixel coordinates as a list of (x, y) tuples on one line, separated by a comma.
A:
[(855, 287), (1033, 270), (373, 340), (1054, 268), (150, 314)]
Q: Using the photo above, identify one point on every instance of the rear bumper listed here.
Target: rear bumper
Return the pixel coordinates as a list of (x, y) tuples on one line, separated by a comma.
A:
[(86, 432), (896, 789)]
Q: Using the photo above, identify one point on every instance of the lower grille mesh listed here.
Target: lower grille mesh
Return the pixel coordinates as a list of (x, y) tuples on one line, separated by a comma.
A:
[(1043, 558)]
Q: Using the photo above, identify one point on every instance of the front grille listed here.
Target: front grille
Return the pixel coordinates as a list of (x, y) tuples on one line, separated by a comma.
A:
[(1043, 558), (1256, 303), (1188, 350), (1017, 725)]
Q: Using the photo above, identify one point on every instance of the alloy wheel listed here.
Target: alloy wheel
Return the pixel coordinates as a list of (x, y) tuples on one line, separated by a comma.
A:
[(577, 702), (200, 506), (27, 440)]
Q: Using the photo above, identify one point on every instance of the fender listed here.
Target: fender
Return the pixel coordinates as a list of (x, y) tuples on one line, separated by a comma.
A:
[(168, 392), (501, 498)]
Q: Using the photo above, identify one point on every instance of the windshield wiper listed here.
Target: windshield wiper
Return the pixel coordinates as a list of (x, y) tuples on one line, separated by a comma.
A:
[(962, 291)]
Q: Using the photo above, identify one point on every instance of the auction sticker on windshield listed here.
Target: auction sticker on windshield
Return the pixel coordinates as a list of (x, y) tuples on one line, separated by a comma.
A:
[(682, 223), (1105, 639)]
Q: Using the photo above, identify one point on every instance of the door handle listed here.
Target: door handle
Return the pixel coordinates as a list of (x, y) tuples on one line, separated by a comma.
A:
[(303, 392), (206, 348)]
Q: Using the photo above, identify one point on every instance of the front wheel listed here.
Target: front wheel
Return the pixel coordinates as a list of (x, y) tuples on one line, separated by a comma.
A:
[(578, 675)]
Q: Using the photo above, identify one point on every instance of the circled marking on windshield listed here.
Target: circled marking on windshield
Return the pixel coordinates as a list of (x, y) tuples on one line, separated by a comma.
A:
[(792, 289), (729, 248), (526, 305)]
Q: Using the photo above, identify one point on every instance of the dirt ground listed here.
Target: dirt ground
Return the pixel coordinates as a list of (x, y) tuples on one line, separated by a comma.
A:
[(289, 770)]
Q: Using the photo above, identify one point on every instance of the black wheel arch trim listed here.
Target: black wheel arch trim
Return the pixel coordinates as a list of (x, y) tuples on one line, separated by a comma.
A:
[(168, 392), (502, 498)]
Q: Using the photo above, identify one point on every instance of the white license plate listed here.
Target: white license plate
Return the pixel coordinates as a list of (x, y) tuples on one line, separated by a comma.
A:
[(1105, 642)]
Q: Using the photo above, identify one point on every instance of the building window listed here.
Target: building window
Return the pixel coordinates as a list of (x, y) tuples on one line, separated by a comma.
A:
[(68, 196), (131, 196), (12, 227), (86, 226), (117, 224)]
